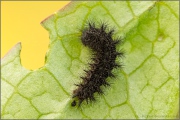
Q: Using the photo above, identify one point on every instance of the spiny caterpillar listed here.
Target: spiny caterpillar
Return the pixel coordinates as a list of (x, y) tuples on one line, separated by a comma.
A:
[(104, 56)]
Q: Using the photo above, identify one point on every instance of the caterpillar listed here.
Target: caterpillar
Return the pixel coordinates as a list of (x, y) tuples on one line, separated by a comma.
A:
[(100, 41)]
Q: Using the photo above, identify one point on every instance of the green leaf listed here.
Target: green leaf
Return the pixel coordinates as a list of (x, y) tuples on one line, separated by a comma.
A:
[(147, 87)]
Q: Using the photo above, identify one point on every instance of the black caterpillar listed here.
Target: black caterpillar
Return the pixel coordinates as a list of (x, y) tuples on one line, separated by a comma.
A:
[(104, 56)]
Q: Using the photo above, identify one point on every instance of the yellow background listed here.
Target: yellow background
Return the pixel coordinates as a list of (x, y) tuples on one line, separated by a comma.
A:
[(20, 22)]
